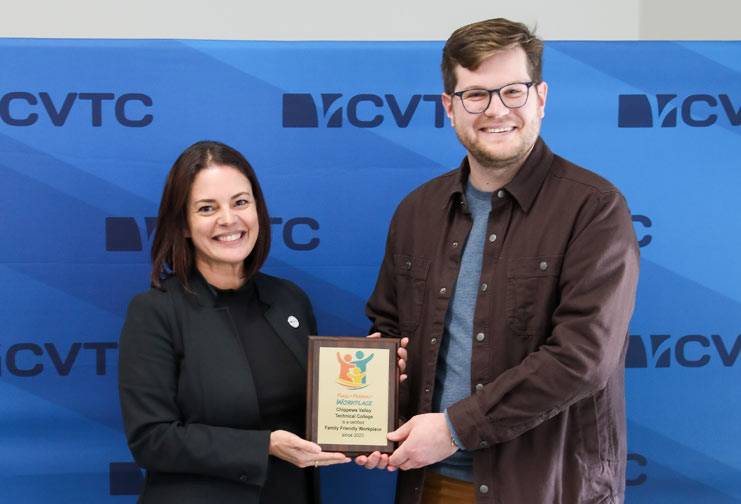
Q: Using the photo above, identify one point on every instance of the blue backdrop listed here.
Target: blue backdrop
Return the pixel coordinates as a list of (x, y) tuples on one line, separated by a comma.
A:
[(338, 133)]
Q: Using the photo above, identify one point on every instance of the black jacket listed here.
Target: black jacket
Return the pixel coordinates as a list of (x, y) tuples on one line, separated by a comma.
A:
[(189, 403)]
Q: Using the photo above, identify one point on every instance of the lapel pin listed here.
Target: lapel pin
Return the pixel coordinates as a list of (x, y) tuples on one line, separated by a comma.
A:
[(293, 321)]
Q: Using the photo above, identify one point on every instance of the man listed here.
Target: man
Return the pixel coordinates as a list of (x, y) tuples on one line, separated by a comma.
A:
[(513, 278)]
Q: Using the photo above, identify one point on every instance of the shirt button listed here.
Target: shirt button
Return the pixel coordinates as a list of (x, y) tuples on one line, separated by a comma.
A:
[(427, 390), (455, 244), (480, 337), (443, 290), (500, 194), (243, 478), (492, 237), (433, 340), (408, 265), (543, 266), (484, 287), (479, 386), (483, 489), (483, 444)]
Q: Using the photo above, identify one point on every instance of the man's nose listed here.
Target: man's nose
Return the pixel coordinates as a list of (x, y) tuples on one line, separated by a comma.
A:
[(496, 108)]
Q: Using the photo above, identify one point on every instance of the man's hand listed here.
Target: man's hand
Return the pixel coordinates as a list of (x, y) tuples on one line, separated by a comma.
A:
[(378, 460), (375, 460), (401, 354), (425, 439)]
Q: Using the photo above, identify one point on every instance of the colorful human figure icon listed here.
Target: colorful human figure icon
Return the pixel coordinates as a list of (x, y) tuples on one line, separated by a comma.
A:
[(345, 367), (361, 363), (357, 377)]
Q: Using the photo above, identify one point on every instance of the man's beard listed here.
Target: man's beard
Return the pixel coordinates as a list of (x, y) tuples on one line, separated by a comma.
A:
[(487, 157)]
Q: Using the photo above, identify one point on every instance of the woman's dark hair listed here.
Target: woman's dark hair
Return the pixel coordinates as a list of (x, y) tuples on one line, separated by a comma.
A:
[(172, 252)]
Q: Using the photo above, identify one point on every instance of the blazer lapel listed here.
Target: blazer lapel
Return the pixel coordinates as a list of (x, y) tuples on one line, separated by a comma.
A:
[(282, 319), (217, 319), (294, 339)]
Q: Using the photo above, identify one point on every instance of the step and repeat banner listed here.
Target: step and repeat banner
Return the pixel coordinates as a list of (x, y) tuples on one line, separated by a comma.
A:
[(338, 133)]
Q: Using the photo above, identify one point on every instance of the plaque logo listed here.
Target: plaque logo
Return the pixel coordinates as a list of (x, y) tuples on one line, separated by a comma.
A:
[(353, 373)]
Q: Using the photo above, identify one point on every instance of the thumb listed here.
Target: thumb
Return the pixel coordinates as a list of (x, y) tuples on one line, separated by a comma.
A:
[(400, 433)]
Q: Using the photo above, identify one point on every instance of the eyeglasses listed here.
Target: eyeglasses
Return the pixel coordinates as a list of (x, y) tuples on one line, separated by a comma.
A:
[(477, 100)]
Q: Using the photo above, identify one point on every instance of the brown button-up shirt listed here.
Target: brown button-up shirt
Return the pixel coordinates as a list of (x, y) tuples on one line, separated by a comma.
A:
[(545, 420)]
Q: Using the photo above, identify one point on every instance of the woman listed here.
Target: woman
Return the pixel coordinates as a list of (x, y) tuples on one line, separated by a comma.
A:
[(212, 359)]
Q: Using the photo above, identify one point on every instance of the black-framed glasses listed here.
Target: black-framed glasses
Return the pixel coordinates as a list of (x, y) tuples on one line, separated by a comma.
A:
[(477, 100)]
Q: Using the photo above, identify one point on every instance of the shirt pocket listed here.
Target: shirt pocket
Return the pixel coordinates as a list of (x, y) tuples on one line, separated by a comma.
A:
[(411, 283), (532, 293)]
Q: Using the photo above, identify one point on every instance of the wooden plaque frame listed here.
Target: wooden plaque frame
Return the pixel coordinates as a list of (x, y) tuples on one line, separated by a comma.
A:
[(352, 447)]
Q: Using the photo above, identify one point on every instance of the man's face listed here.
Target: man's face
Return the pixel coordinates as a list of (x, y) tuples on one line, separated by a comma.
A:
[(499, 137)]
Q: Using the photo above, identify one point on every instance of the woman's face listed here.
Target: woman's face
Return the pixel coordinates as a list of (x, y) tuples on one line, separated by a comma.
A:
[(222, 218)]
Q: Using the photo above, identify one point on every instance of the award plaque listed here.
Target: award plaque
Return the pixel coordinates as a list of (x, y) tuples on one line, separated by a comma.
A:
[(352, 390)]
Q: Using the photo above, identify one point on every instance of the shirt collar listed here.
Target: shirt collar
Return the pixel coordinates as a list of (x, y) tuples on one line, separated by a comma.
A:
[(525, 184)]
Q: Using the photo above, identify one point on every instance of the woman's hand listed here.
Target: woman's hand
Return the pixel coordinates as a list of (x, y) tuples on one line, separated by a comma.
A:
[(299, 452), (401, 354)]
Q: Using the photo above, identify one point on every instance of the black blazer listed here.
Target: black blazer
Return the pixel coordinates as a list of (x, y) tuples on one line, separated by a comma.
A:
[(189, 403)]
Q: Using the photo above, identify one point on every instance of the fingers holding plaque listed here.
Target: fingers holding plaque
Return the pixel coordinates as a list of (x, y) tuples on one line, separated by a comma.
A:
[(352, 393)]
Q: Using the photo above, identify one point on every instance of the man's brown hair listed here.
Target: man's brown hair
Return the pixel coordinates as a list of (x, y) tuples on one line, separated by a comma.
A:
[(469, 45)]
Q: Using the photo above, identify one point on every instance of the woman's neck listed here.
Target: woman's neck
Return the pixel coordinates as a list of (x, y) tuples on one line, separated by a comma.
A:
[(225, 276)]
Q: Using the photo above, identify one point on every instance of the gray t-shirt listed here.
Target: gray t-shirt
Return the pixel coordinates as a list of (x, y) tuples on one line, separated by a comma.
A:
[(453, 376)]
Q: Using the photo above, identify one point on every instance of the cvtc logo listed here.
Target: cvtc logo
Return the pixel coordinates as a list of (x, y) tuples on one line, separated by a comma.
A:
[(32, 359), (123, 234), (125, 478), (362, 110), (692, 350), (645, 222), (20, 108), (697, 110), (639, 478)]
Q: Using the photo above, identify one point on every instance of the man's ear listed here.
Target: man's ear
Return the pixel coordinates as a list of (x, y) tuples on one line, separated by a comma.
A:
[(542, 89), (448, 104)]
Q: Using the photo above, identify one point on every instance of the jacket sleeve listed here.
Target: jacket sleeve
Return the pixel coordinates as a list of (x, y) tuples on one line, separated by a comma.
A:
[(588, 339), (149, 365)]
